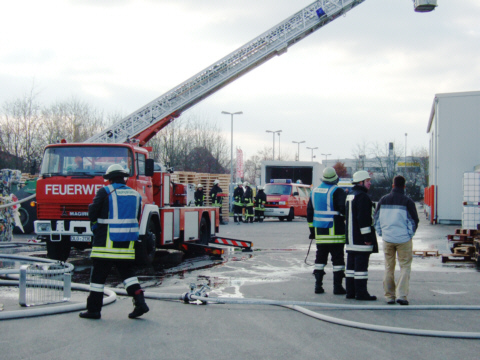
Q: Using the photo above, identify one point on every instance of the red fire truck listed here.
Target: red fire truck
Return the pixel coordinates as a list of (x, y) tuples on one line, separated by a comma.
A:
[(70, 176)]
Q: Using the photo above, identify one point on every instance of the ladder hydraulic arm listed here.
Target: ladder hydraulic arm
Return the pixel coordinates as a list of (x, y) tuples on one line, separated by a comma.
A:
[(144, 123)]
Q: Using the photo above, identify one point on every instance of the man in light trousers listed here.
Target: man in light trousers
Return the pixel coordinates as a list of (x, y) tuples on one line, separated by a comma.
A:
[(396, 221)]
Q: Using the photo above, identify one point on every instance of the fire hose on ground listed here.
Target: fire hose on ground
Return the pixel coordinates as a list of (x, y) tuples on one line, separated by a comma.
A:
[(196, 295)]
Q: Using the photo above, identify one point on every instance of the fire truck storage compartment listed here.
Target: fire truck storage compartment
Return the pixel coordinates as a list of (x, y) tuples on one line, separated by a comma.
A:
[(191, 225), (167, 226)]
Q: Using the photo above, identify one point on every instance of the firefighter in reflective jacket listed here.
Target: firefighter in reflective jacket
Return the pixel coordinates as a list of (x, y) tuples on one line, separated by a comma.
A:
[(325, 217), (360, 240), (199, 195), (238, 203), (114, 215), (260, 201), (248, 202), (217, 200)]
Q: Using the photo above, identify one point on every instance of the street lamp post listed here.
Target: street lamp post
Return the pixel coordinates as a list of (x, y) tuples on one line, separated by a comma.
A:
[(231, 145), (273, 133), (298, 142), (326, 157), (405, 164), (278, 146), (312, 151)]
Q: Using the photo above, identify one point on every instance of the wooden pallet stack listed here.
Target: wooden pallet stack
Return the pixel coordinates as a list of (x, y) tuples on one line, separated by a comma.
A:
[(461, 245), (188, 177)]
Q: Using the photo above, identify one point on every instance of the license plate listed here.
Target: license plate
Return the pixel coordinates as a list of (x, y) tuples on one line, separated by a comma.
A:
[(81, 238)]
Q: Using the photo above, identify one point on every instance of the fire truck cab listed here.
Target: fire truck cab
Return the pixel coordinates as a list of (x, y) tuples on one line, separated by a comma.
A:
[(286, 200)]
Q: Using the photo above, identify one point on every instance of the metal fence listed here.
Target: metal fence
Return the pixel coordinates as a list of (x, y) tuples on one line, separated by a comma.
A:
[(41, 284)]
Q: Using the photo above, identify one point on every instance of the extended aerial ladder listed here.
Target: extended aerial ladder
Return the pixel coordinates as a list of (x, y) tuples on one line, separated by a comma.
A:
[(144, 123)]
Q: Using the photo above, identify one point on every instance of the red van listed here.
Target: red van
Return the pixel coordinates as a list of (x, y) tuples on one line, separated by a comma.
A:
[(286, 200)]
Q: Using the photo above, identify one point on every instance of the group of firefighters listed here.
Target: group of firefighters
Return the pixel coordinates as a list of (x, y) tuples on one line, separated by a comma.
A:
[(337, 221), (242, 198)]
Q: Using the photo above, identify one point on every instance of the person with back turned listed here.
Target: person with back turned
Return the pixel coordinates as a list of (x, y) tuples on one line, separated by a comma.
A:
[(396, 221), (360, 240), (217, 199), (114, 215), (325, 217)]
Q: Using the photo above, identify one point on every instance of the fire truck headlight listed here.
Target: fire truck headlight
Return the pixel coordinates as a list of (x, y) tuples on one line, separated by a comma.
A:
[(44, 227), (281, 203)]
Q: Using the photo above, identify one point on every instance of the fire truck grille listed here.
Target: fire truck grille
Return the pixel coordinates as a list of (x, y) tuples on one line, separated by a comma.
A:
[(67, 212)]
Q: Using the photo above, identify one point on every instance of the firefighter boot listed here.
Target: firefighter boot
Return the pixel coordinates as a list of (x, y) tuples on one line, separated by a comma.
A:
[(319, 281), (350, 285), (140, 305), (94, 306), (337, 283), (361, 292)]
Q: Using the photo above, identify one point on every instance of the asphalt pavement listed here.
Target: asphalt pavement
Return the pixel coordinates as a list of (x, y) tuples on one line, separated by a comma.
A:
[(277, 269)]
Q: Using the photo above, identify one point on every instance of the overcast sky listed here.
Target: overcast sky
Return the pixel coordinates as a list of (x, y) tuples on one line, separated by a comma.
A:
[(370, 76)]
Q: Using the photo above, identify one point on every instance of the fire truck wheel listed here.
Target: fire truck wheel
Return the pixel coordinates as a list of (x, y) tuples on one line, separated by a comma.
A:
[(59, 250), (291, 215), (204, 232), (281, 218), (145, 254)]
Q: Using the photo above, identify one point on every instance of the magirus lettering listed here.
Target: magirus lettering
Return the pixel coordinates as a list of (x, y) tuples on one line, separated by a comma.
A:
[(78, 213)]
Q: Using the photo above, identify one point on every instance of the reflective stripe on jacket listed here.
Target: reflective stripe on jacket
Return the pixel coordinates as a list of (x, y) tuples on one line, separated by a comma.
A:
[(114, 250)]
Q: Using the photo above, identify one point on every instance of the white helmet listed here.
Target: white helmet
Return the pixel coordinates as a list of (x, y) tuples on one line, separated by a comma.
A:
[(115, 171), (240, 183), (216, 181), (260, 187), (199, 186), (360, 176), (329, 175), (246, 183)]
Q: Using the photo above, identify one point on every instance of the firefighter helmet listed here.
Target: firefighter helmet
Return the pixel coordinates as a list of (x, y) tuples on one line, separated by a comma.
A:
[(199, 186), (329, 175), (260, 187), (115, 171), (246, 183), (216, 181), (360, 176)]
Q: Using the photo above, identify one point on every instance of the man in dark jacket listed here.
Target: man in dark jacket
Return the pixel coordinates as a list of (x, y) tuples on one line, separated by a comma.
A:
[(199, 195), (396, 221), (260, 200), (216, 194), (325, 217), (360, 239), (238, 203), (248, 202), (114, 215)]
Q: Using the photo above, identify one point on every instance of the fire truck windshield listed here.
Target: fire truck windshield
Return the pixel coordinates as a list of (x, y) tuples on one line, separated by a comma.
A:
[(277, 189), (84, 160)]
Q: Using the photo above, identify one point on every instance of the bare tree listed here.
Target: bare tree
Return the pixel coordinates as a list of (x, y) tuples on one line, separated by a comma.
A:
[(73, 120), (181, 141), (420, 157), (20, 124)]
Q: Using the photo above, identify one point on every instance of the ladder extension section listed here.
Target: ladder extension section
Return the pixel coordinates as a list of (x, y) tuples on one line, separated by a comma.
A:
[(150, 119)]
